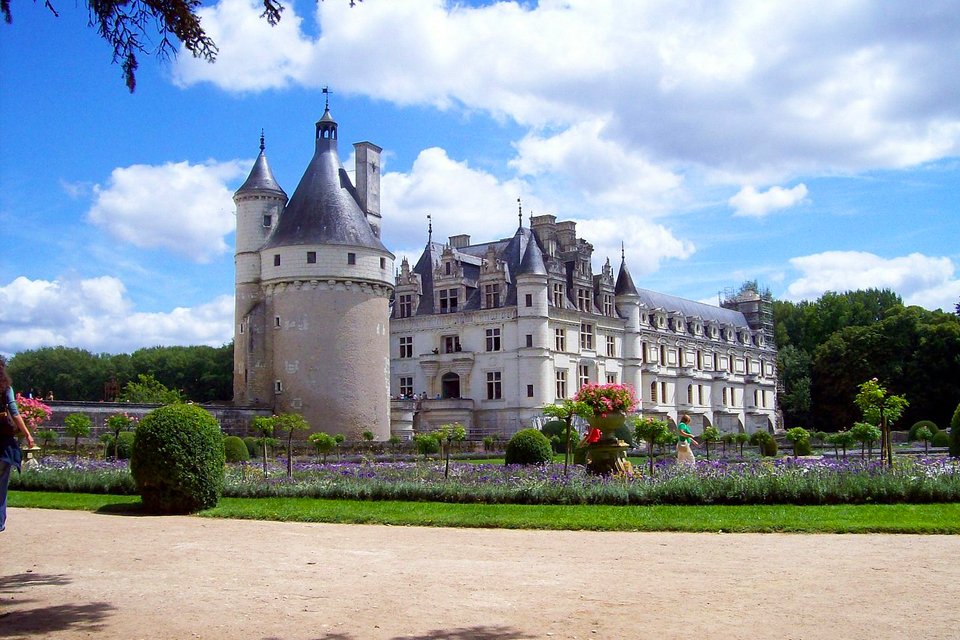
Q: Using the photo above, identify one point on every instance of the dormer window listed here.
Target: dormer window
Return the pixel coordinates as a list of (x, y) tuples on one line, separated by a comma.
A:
[(447, 268)]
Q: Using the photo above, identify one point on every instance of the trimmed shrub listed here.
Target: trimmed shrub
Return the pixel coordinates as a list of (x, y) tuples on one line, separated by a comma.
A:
[(235, 449), (253, 447), (124, 449), (929, 424), (764, 442), (554, 428), (528, 446), (940, 439), (178, 460), (955, 433)]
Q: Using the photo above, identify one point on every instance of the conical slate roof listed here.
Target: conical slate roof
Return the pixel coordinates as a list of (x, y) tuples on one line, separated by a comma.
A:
[(324, 208), (261, 178), (625, 286), (532, 262)]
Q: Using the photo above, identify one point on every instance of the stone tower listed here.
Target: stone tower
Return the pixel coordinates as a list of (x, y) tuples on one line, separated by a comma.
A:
[(312, 334)]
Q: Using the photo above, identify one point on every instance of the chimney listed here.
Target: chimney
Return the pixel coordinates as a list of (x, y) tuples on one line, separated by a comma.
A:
[(368, 182), (460, 241)]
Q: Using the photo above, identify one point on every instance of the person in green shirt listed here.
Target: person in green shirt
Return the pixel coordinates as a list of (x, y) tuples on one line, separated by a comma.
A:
[(684, 440)]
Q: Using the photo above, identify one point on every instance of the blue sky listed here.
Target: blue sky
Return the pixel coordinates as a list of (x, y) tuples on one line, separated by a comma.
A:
[(812, 146)]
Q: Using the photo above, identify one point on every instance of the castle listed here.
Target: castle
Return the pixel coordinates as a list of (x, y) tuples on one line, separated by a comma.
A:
[(482, 334)]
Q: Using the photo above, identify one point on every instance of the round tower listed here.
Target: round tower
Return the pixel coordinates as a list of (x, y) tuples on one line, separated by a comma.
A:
[(327, 281), (535, 363), (259, 202), (628, 306)]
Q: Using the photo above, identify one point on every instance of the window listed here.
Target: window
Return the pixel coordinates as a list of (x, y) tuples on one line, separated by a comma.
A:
[(267, 220), (663, 391), (699, 359), (493, 385), (448, 300), (561, 384), (351, 258), (560, 339), (558, 295), (311, 257), (583, 375), (663, 355), (276, 322), (611, 378), (406, 305), (491, 296), (726, 397), (277, 386), (447, 268), (529, 339), (700, 394), (493, 339), (583, 299), (689, 394), (451, 344), (406, 346), (529, 390), (586, 336), (383, 263), (528, 300), (276, 259), (653, 392), (611, 347), (406, 385), (241, 328)]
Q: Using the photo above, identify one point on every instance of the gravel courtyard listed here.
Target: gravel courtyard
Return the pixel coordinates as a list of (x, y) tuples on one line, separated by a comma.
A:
[(69, 574)]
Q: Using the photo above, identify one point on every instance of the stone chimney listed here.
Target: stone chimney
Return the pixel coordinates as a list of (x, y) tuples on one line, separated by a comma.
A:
[(368, 182), (460, 241)]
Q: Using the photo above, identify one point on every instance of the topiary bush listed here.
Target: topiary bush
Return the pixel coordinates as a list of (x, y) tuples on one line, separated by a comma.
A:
[(178, 460), (235, 449), (554, 428), (253, 447), (764, 442), (940, 439), (528, 446), (123, 449), (955, 433), (929, 424)]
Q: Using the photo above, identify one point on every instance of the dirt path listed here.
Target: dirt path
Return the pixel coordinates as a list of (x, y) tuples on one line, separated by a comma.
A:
[(68, 574)]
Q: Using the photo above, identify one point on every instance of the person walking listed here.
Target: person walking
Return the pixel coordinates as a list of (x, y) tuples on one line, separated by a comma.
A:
[(684, 440), (11, 422)]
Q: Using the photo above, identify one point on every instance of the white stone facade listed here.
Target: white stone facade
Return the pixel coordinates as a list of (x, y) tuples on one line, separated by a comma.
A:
[(495, 368)]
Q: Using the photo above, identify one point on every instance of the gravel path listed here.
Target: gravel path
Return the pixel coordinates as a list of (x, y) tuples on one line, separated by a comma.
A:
[(71, 574)]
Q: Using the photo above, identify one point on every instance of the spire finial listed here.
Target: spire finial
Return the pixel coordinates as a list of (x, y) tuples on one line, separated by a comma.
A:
[(429, 228), (520, 212), (326, 95), (623, 254), (262, 145)]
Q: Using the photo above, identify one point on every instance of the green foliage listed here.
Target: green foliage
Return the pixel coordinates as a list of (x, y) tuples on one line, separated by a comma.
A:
[(941, 439), (148, 389), (77, 425), (955, 433), (554, 428), (931, 427), (290, 423), (742, 439), (866, 434), (324, 443), (843, 440), (251, 444), (650, 430), (368, 436), (426, 443), (488, 443), (528, 446), (235, 449), (178, 460), (46, 437), (120, 446), (710, 434), (800, 439), (764, 443), (203, 373)]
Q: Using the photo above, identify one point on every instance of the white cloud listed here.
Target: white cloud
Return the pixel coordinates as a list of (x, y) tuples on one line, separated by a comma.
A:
[(921, 280), (645, 243), (95, 314), (459, 198), (750, 202), (185, 208), (769, 90)]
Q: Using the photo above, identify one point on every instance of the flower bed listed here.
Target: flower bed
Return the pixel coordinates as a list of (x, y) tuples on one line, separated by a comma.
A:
[(780, 481)]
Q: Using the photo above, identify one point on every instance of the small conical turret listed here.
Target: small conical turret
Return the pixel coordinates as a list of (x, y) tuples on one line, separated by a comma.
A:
[(261, 178)]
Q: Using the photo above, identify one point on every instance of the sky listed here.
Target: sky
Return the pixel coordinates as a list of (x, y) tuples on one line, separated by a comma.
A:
[(811, 146)]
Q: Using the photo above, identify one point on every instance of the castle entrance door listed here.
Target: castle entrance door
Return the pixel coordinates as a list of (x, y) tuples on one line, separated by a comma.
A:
[(450, 386)]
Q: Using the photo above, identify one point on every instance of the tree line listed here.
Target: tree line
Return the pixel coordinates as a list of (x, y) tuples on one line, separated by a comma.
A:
[(828, 347), (200, 373)]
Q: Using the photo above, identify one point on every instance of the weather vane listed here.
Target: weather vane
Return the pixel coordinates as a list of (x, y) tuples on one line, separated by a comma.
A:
[(326, 93)]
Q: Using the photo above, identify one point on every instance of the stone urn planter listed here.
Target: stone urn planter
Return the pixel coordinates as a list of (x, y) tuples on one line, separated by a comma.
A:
[(608, 454)]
